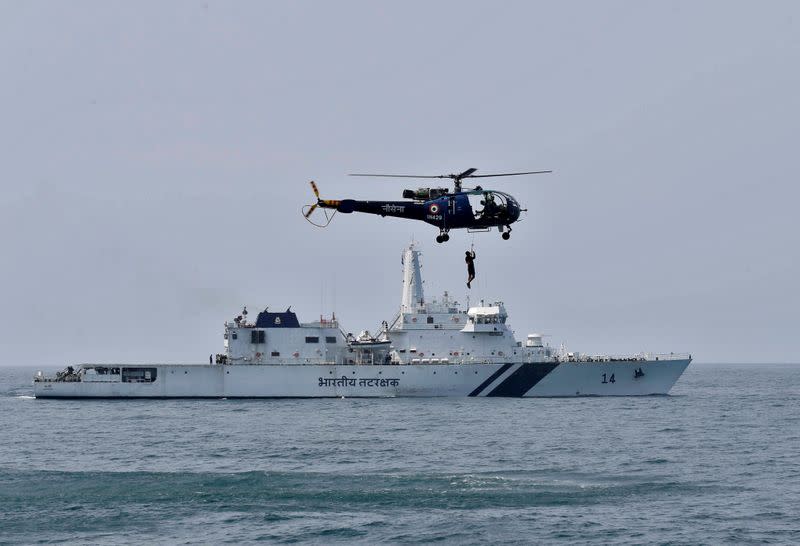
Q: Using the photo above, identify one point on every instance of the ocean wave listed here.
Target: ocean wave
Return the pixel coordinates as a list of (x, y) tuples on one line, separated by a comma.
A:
[(322, 505), (451, 491)]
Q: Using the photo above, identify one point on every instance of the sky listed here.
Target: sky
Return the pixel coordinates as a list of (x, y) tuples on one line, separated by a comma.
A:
[(154, 158)]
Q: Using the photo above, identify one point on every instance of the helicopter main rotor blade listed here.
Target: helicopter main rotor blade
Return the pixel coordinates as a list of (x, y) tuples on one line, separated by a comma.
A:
[(504, 174), (312, 209), (457, 177), (466, 173), (402, 175)]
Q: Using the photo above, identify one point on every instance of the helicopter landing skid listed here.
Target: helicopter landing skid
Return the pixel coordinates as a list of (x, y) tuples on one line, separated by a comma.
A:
[(505, 234)]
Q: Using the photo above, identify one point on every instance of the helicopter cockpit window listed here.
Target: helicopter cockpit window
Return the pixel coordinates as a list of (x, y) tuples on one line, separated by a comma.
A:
[(488, 205)]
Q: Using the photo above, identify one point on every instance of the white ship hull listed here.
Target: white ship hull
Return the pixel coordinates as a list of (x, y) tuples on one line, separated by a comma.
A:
[(541, 379)]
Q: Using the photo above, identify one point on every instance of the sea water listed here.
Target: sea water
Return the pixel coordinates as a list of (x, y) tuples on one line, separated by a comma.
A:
[(715, 462)]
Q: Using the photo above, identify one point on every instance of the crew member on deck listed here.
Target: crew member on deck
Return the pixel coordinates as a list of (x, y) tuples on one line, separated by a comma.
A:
[(470, 259)]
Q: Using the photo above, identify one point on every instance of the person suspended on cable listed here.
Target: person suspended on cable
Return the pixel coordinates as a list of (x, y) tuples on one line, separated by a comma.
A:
[(470, 259)]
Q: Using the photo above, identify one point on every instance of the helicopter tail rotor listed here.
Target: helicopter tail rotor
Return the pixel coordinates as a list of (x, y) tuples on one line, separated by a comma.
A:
[(308, 210), (313, 207)]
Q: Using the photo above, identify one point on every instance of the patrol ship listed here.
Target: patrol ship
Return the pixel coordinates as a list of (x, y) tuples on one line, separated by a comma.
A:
[(430, 348)]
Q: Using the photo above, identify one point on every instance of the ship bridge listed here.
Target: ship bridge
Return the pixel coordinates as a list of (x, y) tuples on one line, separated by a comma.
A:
[(486, 318)]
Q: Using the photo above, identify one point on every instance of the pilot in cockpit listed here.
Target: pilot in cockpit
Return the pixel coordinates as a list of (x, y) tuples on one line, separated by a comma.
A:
[(490, 207)]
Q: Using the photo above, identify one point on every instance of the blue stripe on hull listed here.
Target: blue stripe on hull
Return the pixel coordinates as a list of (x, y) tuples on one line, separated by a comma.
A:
[(491, 378), (523, 379)]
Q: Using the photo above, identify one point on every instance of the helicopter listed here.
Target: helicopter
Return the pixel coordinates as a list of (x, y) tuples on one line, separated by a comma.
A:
[(473, 209)]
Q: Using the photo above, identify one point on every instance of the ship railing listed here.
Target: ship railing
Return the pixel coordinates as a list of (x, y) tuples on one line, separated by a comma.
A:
[(668, 356), (326, 360), (51, 379), (307, 362), (638, 357), (489, 359)]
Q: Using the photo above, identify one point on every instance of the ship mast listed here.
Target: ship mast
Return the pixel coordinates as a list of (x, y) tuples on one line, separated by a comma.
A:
[(413, 295)]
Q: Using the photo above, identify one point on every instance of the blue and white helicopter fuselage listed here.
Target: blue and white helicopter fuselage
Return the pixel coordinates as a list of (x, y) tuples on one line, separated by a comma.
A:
[(471, 209)]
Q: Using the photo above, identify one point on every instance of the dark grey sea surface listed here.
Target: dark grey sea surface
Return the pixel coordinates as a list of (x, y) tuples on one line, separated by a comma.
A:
[(718, 461)]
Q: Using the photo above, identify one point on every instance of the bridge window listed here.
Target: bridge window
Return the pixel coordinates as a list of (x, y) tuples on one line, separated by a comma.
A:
[(258, 336), (312, 339), (330, 339), (275, 353)]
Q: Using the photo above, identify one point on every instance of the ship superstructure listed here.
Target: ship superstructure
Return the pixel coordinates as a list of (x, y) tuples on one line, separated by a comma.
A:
[(430, 348), (441, 331)]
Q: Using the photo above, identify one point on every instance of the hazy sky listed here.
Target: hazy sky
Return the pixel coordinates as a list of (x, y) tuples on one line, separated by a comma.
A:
[(155, 156)]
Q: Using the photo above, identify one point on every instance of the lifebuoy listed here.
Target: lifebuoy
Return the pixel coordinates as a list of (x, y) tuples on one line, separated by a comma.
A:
[(258, 355)]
